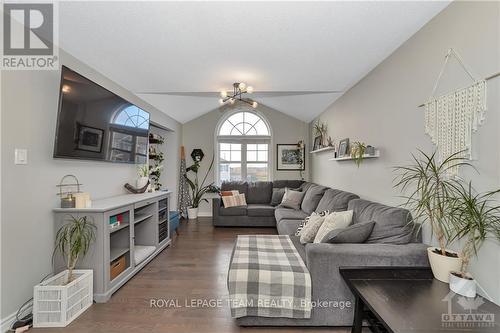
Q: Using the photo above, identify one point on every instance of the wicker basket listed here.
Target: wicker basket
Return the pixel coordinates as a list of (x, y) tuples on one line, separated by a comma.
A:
[(56, 304)]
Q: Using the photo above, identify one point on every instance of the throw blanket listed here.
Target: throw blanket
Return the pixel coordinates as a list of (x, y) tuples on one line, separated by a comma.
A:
[(268, 278)]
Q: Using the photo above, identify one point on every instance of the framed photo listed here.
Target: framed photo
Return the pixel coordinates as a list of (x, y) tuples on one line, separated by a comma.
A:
[(343, 148), (317, 143), (90, 138), (290, 157)]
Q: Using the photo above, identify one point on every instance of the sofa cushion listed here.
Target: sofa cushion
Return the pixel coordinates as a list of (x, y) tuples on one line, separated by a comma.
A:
[(310, 230), (312, 197), (233, 211), (354, 234), (292, 199), (392, 225), (277, 197), (287, 183), (290, 214), (335, 200), (260, 210), (287, 227), (241, 187), (259, 192)]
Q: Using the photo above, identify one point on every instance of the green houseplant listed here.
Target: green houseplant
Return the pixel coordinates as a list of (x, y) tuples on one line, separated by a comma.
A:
[(143, 176), (475, 217), (198, 189), (320, 129), (429, 192), (358, 152), (73, 241)]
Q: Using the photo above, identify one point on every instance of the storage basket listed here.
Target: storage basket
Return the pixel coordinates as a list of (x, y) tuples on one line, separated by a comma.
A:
[(57, 305)]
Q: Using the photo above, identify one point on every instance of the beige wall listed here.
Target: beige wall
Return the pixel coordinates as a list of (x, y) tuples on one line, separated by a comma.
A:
[(200, 133), (382, 110), (28, 120)]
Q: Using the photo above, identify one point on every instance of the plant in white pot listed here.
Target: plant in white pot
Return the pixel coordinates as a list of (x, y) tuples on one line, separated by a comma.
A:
[(429, 193), (475, 217), (60, 299), (198, 190), (143, 176)]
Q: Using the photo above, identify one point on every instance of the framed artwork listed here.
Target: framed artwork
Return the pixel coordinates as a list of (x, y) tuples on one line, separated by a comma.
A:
[(290, 157), (343, 148), (90, 138), (317, 143)]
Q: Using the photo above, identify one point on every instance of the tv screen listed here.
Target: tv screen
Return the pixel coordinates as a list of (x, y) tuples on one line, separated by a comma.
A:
[(95, 124)]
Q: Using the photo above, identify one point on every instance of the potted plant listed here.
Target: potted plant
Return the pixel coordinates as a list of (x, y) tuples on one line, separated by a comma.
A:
[(431, 194), (69, 293), (198, 190), (358, 152), (320, 129), (475, 217), (143, 173)]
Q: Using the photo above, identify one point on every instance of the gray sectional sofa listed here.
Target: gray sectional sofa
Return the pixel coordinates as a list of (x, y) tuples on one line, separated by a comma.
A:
[(393, 242)]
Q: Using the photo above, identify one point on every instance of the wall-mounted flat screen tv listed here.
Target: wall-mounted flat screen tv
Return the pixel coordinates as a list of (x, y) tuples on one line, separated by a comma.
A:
[(95, 124)]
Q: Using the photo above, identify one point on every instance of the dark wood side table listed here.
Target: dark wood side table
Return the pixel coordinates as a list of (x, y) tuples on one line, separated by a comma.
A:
[(410, 300)]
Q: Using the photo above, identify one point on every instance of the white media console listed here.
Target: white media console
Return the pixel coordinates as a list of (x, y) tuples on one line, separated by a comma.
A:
[(121, 251)]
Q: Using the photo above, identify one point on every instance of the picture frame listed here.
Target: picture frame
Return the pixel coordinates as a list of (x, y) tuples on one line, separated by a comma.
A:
[(343, 150), (317, 143), (90, 138), (289, 157)]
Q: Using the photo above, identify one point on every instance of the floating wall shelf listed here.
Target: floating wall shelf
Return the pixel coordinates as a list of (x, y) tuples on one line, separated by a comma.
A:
[(349, 158), (321, 150)]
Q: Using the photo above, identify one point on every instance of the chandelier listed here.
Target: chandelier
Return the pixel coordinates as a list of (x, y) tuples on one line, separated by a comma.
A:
[(239, 88)]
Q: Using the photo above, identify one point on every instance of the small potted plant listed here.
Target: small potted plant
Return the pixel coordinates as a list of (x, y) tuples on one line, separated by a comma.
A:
[(475, 217), (143, 173), (68, 294), (321, 130), (431, 198), (198, 190), (358, 152)]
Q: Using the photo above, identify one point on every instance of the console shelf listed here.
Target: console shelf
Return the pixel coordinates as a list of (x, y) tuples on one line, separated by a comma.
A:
[(139, 221)]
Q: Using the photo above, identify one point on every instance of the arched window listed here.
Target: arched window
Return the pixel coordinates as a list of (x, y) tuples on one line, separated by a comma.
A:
[(132, 116), (243, 142)]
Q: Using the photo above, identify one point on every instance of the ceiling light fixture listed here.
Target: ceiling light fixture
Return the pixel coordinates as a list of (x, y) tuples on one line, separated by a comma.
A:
[(239, 88)]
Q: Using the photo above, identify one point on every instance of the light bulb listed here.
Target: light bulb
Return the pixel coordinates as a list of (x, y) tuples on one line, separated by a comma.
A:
[(249, 89), (223, 93), (232, 100), (255, 104), (221, 101), (66, 88), (242, 86)]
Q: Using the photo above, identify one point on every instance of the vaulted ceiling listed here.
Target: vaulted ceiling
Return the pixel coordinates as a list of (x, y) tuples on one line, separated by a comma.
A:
[(299, 56)]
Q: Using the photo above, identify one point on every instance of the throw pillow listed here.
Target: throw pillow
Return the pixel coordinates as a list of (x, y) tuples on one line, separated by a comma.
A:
[(277, 197), (306, 220), (292, 199), (310, 230), (234, 201), (356, 233), (336, 220), (229, 193)]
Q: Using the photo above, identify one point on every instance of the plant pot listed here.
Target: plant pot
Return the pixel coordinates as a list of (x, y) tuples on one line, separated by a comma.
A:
[(141, 182), (442, 265), (192, 213), (56, 304), (465, 286)]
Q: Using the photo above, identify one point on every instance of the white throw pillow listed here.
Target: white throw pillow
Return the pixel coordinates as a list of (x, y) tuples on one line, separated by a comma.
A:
[(311, 228), (336, 220)]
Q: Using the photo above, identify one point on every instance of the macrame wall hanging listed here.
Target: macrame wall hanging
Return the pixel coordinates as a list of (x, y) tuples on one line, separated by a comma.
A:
[(451, 119)]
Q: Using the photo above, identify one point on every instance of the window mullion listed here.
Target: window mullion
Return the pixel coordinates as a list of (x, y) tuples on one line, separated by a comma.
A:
[(243, 161)]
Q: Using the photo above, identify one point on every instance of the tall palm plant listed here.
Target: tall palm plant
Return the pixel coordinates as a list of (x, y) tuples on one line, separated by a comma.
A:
[(198, 190), (73, 241), (475, 217), (429, 191)]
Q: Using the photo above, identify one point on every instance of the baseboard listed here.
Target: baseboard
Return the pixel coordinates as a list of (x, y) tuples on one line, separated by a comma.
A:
[(7, 322), (205, 214)]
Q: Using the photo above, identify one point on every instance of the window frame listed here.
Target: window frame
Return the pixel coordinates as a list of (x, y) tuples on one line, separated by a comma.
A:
[(244, 140)]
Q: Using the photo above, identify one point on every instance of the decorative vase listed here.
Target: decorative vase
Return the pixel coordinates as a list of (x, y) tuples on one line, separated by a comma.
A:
[(442, 265), (465, 286), (141, 182), (192, 213)]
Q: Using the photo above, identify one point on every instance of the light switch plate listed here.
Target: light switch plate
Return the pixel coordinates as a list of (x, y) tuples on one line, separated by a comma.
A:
[(21, 156)]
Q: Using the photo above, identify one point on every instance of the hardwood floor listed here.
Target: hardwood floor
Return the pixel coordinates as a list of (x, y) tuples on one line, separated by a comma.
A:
[(193, 267)]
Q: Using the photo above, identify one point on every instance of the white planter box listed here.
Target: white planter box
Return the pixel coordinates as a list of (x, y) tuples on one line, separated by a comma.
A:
[(56, 304)]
